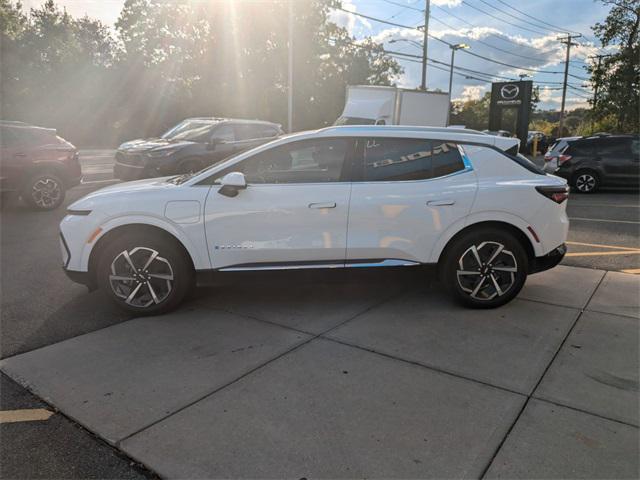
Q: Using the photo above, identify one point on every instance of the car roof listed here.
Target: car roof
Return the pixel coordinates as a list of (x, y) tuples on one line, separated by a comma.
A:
[(602, 137), (235, 120), (401, 131)]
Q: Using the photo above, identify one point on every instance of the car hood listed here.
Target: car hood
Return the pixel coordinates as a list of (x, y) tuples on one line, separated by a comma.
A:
[(148, 144), (122, 191)]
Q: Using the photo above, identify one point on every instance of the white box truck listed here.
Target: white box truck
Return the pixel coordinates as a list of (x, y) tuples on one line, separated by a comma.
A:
[(373, 105)]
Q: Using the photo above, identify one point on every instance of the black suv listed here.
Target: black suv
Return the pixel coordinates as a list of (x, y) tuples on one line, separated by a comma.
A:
[(190, 146), (589, 163)]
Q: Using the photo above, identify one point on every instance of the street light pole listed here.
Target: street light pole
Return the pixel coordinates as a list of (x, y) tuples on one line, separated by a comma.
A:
[(453, 48)]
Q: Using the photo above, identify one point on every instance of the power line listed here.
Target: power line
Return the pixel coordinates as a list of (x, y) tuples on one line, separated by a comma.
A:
[(536, 19), (518, 18), (499, 37), (368, 17), (502, 19), (492, 46)]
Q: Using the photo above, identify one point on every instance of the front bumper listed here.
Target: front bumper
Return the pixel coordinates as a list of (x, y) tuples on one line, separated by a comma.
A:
[(548, 261), (129, 172)]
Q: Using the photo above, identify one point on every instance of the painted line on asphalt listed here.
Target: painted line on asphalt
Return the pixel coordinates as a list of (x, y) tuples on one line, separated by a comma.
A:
[(602, 220), (26, 415), (600, 245), (574, 204), (596, 254), (633, 271)]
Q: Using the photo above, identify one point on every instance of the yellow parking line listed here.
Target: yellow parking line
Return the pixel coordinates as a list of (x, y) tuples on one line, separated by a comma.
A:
[(634, 271), (595, 254), (30, 415), (601, 245)]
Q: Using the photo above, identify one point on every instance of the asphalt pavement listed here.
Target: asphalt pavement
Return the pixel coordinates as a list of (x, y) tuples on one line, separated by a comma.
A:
[(40, 306)]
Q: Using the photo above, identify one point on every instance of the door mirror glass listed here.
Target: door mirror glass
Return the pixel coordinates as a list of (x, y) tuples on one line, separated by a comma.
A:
[(231, 183)]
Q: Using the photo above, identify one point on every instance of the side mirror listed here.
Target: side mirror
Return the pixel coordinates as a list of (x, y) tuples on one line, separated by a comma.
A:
[(232, 183)]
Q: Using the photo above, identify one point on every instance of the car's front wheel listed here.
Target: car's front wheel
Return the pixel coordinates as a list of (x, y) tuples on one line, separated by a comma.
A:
[(145, 275), (484, 268)]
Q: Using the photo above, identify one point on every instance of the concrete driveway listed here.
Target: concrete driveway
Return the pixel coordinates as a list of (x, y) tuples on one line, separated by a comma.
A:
[(363, 379)]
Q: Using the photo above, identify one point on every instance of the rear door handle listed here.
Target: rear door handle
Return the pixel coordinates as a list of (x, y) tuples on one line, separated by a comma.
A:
[(20, 155), (323, 205), (440, 203)]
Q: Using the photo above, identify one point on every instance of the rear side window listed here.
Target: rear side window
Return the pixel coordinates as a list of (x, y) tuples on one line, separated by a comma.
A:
[(582, 148), (401, 159)]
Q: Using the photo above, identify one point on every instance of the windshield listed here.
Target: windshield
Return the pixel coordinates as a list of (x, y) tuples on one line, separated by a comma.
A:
[(353, 121), (190, 130)]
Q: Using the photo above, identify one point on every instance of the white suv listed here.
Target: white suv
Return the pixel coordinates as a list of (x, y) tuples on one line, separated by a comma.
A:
[(338, 197)]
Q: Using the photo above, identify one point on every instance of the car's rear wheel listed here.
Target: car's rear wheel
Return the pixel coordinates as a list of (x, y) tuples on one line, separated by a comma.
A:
[(145, 275), (484, 268), (586, 181), (44, 191)]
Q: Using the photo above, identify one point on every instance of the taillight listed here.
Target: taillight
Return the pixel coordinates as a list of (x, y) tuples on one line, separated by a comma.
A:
[(558, 194), (563, 158), (548, 158)]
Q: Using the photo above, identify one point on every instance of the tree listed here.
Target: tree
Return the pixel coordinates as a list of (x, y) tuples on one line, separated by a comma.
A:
[(472, 113), (618, 78)]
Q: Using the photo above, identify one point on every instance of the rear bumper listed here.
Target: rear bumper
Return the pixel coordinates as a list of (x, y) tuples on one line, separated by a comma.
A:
[(548, 261)]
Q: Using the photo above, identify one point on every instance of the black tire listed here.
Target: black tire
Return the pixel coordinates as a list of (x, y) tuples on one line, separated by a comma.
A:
[(171, 260), (190, 165), (585, 181), (462, 286), (44, 191)]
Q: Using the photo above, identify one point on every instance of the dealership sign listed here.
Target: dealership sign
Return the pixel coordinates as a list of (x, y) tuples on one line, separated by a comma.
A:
[(509, 95), (514, 97)]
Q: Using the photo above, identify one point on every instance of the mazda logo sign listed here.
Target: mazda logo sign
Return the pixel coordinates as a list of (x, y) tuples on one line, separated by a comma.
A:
[(509, 91)]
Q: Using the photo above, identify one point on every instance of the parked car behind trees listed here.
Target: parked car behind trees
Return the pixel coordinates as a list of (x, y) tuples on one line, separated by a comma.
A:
[(190, 146), (36, 164)]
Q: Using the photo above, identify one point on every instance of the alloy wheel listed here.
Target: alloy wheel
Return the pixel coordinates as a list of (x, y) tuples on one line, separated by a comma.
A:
[(585, 182), (487, 270), (46, 192), (141, 277)]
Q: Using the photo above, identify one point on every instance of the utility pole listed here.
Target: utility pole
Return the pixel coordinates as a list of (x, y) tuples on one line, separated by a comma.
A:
[(568, 42), (290, 72), (425, 40), (596, 85)]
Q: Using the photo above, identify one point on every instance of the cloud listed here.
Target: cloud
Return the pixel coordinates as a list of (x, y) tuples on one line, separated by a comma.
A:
[(471, 92), (352, 23)]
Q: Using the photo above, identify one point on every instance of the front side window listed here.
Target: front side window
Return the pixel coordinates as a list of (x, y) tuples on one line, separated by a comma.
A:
[(225, 133), (614, 147), (398, 159), (190, 130), (306, 161)]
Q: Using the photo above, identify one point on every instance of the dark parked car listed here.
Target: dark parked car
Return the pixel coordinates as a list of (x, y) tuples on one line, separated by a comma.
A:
[(36, 164), (589, 163), (190, 146)]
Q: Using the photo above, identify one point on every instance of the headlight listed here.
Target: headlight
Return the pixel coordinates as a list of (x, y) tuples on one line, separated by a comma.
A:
[(161, 153)]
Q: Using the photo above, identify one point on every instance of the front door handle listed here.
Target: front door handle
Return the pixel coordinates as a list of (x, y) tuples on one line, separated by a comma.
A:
[(20, 155), (323, 205), (440, 203)]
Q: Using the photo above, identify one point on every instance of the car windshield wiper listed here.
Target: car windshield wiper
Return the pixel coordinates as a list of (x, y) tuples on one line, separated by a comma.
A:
[(178, 179)]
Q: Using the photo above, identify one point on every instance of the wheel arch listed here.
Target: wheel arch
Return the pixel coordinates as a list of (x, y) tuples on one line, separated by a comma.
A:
[(121, 230), (519, 231), (46, 167)]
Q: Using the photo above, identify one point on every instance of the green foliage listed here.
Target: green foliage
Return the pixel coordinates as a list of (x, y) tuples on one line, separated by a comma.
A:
[(179, 58), (618, 77), (472, 113)]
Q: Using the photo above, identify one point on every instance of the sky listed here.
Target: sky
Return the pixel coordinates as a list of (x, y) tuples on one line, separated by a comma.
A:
[(516, 32)]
